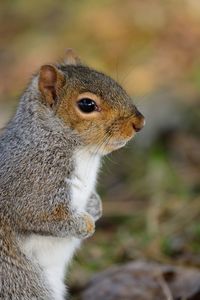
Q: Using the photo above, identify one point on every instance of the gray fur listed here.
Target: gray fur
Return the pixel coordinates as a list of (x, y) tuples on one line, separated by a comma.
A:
[(36, 157)]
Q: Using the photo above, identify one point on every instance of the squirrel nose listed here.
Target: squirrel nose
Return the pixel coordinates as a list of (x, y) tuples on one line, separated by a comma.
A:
[(139, 121)]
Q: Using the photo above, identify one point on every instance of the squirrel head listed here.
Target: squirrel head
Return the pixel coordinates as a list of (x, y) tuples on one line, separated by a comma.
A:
[(92, 104)]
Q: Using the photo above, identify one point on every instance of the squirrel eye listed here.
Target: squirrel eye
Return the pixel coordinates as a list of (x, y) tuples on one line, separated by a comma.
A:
[(87, 105)]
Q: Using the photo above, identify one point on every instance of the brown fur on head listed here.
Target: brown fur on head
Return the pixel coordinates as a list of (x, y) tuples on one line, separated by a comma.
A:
[(113, 119)]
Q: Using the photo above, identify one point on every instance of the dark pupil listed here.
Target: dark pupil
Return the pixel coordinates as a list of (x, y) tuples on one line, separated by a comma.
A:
[(86, 105)]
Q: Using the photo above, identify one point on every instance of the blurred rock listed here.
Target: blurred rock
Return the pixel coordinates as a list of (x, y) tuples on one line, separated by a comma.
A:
[(144, 281)]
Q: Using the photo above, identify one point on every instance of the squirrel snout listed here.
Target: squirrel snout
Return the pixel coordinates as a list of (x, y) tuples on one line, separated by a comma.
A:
[(138, 121)]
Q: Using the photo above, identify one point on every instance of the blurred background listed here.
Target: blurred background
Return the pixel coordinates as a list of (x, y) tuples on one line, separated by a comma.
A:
[(150, 189)]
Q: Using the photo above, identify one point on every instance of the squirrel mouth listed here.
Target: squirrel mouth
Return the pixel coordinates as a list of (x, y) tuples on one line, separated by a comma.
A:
[(118, 144)]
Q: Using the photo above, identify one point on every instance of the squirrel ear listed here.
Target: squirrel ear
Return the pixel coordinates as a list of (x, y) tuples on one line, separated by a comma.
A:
[(51, 80), (71, 58)]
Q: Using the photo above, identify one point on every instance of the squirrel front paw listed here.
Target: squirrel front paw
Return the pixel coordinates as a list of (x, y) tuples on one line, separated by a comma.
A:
[(85, 226), (94, 206)]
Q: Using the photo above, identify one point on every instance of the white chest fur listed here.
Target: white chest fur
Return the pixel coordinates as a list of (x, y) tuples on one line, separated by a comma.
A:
[(83, 182), (54, 254)]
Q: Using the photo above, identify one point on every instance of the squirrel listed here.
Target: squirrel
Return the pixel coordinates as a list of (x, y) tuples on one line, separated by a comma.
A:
[(68, 118)]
